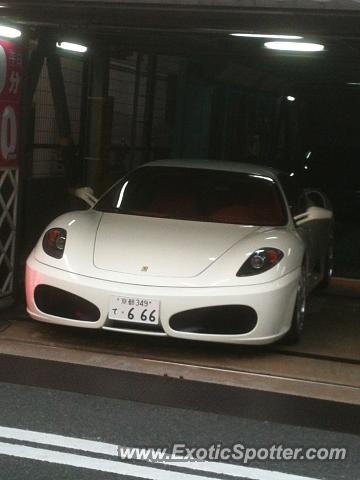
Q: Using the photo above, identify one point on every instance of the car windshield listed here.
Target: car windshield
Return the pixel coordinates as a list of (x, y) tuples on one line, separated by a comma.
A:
[(197, 194)]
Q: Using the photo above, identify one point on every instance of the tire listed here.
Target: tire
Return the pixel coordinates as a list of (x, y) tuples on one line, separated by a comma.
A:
[(328, 268), (298, 319)]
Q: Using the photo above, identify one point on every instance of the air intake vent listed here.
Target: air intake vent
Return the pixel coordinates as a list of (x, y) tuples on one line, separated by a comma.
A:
[(60, 303)]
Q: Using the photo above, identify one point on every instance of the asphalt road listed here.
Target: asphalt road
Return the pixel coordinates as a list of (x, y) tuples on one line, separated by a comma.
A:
[(29, 414)]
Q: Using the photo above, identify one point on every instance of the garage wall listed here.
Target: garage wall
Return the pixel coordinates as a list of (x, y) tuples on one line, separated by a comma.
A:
[(223, 114), (45, 130), (45, 188), (195, 114), (122, 89), (122, 80), (45, 153), (128, 118), (72, 71), (127, 137), (165, 105)]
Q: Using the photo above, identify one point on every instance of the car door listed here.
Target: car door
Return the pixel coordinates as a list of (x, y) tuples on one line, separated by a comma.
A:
[(298, 204), (315, 225), (322, 228), (306, 230)]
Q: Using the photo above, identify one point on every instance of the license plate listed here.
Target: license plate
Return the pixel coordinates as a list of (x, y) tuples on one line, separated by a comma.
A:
[(138, 310)]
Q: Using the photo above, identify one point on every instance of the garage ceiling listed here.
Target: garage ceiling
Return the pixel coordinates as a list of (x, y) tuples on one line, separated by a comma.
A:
[(309, 16), (201, 28)]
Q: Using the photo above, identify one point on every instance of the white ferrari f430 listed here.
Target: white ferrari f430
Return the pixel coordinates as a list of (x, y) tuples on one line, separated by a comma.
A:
[(199, 250)]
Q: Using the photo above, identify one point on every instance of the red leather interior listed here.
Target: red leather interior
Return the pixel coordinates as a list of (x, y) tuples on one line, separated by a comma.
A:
[(180, 204), (254, 213)]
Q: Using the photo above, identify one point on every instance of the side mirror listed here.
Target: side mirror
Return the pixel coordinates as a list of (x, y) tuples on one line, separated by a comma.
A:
[(313, 213), (86, 194)]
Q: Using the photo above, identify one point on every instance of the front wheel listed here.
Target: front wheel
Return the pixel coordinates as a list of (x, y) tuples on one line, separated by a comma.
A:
[(298, 319)]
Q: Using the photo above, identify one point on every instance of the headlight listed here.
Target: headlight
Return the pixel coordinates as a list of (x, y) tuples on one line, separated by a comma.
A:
[(260, 261), (54, 242)]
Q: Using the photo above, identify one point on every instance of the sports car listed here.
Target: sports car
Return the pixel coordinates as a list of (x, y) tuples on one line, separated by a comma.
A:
[(200, 250)]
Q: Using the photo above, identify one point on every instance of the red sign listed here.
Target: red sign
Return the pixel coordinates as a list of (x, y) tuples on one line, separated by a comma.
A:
[(11, 70)]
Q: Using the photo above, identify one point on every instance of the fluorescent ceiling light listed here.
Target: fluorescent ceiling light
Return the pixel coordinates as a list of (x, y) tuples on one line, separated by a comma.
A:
[(266, 35), (290, 98), (72, 47), (9, 32), (353, 84), (295, 46)]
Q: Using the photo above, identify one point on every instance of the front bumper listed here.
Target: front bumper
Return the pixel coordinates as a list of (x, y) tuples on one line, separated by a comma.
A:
[(273, 303)]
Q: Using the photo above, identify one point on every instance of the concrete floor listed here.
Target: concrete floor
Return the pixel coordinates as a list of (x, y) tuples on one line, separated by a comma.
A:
[(324, 365)]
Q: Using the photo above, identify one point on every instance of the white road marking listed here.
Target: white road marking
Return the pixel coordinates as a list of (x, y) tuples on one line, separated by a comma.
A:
[(93, 463), (120, 466), (59, 441)]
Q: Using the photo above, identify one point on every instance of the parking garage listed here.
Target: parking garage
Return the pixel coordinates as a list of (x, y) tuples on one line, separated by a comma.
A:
[(175, 80)]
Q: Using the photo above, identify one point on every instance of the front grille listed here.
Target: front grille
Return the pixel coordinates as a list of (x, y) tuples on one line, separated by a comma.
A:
[(218, 320)]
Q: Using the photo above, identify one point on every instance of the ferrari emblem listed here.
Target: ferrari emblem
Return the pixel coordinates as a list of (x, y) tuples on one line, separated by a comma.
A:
[(145, 268)]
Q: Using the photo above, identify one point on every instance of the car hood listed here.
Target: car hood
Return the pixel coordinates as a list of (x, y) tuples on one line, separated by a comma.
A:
[(162, 247)]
